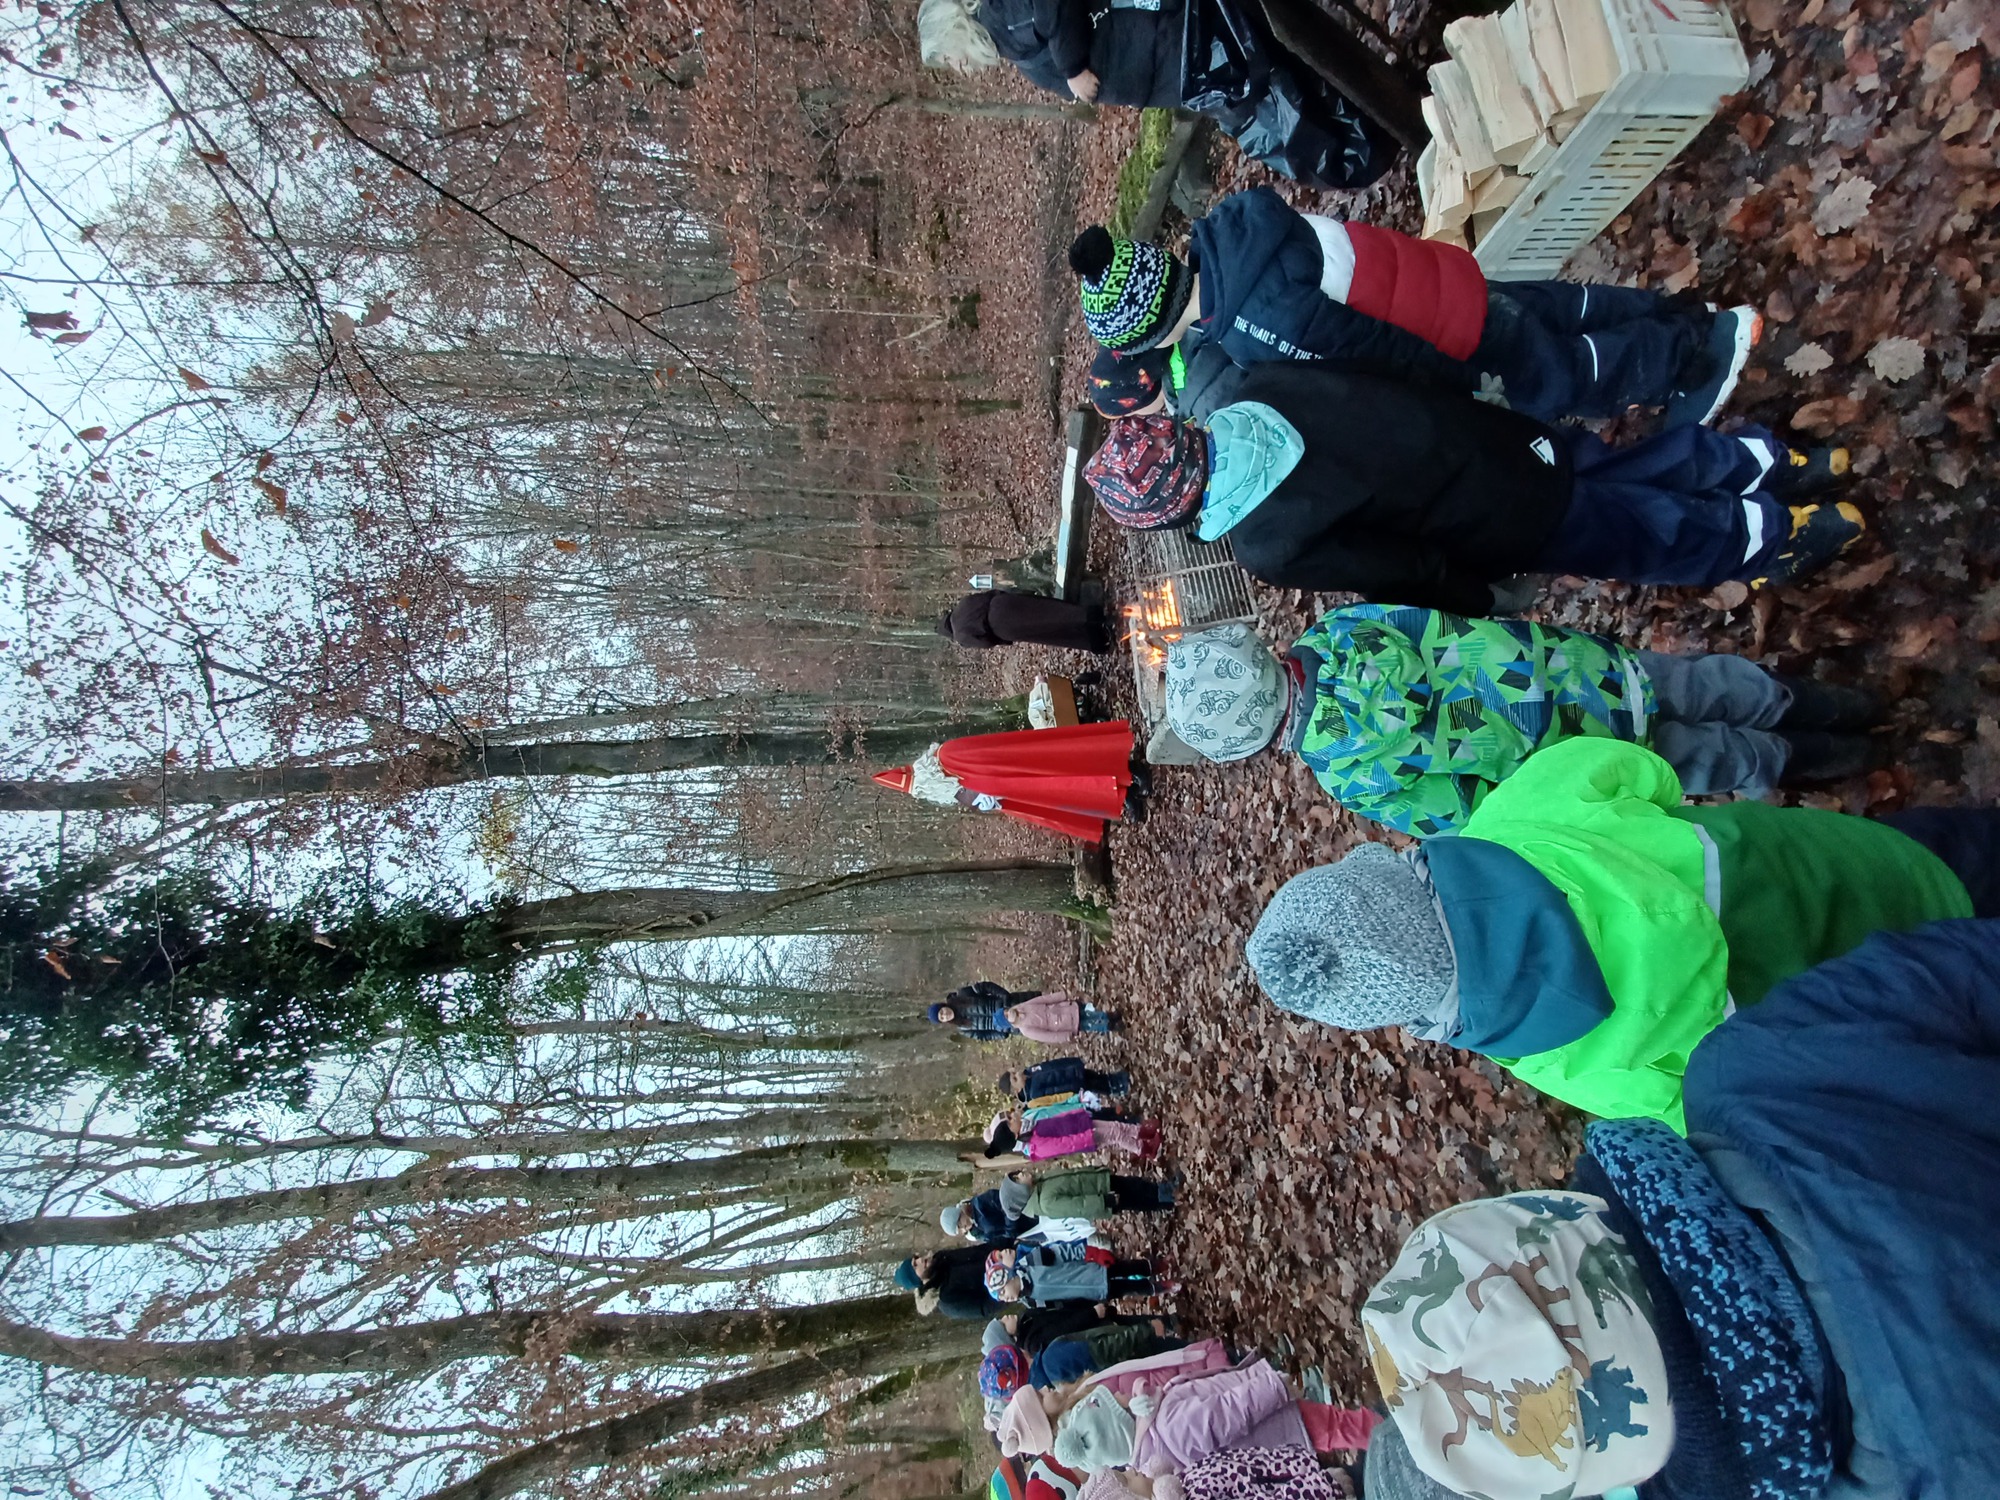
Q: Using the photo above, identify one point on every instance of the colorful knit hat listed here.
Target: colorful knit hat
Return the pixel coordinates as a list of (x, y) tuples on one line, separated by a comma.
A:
[(1122, 384), (1150, 473), (997, 1273), (1003, 1371), (1133, 292)]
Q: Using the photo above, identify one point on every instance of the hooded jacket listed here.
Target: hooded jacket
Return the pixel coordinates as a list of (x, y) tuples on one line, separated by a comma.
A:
[(1277, 284), (1852, 1113), (1410, 717), (1601, 930), (1405, 495), (1135, 53)]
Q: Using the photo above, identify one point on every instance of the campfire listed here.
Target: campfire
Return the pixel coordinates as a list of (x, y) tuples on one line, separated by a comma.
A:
[(1184, 584)]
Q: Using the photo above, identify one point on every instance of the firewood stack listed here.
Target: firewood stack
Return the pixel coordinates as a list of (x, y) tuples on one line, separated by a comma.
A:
[(1514, 87)]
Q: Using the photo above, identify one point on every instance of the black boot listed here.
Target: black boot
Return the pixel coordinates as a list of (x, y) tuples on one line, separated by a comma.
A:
[(1818, 756), (1804, 472), (1827, 705)]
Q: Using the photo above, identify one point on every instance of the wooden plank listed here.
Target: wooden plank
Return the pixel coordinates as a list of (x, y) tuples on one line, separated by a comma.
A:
[(1593, 60), (1076, 504), (1527, 67), (1189, 130), (1505, 109), (1460, 111)]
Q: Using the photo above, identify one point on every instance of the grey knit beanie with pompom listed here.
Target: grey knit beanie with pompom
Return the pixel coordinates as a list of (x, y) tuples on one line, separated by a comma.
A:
[(1358, 944)]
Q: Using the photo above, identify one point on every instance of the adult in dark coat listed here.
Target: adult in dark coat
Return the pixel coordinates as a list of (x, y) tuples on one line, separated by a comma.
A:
[(957, 1276), (1407, 494), (1002, 617), (1102, 51)]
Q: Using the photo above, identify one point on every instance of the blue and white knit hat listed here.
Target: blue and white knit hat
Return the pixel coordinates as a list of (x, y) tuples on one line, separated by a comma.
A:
[(1761, 1366), (1133, 292)]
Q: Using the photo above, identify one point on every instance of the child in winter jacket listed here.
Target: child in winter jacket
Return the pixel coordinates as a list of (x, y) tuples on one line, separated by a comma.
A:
[(1330, 479), (1266, 282), (1585, 930), (1411, 717), (1074, 1271)]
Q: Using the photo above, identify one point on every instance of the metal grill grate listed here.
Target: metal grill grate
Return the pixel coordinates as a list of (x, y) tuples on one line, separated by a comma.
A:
[(1188, 584)]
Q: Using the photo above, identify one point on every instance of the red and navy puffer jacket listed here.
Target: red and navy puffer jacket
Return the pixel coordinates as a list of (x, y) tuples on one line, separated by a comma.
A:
[(1415, 309)]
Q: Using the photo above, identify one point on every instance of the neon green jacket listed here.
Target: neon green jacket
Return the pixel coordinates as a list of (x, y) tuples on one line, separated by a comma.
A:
[(1691, 911)]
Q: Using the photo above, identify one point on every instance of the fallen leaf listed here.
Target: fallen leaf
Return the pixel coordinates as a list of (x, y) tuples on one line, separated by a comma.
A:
[(215, 549), (1808, 360), (1727, 596), (1864, 577), (1823, 417), (562, 544), (1753, 128), (1896, 359), (1844, 207)]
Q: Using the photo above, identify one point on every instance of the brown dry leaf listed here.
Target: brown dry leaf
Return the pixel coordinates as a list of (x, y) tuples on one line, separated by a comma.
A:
[(1727, 596), (379, 311), (343, 328), (275, 493), (563, 544), (1917, 637), (1808, 360), (54, 961), (1753, 128), (215, 549), (1864, 577), (265, 460), (90, 434), (1897, 359), (192, 381), (1824, 416), (1844, 207)]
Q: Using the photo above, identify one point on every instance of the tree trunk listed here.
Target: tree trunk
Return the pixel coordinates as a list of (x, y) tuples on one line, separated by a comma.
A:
[(904, 898), (776, 1166), (628, 1437), (639, 1338), (451, 766)]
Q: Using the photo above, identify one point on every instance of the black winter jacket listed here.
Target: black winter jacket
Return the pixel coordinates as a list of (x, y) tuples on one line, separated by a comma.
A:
[(1261, 265), (1135, 53), (1405, 494)]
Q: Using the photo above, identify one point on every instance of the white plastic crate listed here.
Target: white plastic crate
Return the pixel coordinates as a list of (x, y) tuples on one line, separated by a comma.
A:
[(1677, 60)]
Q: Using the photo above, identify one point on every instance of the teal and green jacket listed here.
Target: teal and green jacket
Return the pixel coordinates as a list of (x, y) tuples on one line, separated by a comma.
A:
[(1411, 716), (1601, 929)]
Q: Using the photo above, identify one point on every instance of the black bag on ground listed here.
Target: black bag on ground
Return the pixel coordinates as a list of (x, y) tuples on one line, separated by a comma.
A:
[(1280, 111)]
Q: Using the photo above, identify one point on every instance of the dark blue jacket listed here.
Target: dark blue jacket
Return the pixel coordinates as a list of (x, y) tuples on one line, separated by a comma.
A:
[(990, 1221), (1260, 266), (1853, 1110), (1135, 53)]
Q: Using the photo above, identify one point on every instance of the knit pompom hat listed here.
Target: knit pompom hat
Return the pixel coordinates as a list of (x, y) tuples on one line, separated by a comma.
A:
[(1358, 944), (1133, 292)]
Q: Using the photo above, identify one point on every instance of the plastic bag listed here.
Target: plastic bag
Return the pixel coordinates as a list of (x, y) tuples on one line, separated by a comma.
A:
[(1280, 111)]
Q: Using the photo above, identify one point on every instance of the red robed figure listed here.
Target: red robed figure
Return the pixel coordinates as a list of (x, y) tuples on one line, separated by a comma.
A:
[(1068, 780)]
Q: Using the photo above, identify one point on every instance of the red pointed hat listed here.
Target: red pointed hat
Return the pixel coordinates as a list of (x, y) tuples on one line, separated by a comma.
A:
[(897, 779)]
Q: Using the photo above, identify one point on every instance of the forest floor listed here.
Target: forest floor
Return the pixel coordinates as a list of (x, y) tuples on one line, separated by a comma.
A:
[(1849, 192)]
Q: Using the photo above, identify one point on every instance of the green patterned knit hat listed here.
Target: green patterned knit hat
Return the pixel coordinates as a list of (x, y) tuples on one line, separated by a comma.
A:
[(1133, 292)]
